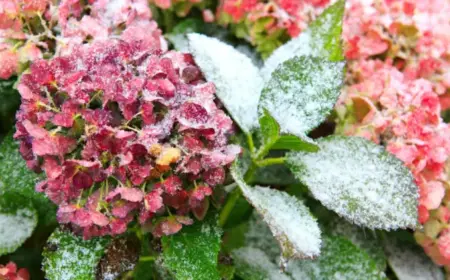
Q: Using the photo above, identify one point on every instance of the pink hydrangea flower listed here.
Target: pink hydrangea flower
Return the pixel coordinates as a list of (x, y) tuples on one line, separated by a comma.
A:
[(124, 130)]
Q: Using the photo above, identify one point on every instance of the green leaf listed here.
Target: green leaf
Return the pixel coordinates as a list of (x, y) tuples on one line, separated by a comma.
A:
[(360, 181), (409, 262), (226, 271), (15, 177), (277, 174), (193, 252), (287, 217), (18, 218), (321, 39), (69, 257), (270, 130), (272, 140), (340, 260), (292, 142), (237, 80), (301, 93), (365, 239), (178, 35)]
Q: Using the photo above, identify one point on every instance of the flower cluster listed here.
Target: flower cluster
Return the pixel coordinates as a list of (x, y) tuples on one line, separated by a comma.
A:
[(10, 272), (32, 30), (268, 24), (181, 7), (413, 33), (18, 45), (396, 89), (124, 129)]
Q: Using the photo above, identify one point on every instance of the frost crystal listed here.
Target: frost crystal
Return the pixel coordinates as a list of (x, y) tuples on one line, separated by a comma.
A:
[(289, 220), (15, 228), (237, 80), (359, 181)]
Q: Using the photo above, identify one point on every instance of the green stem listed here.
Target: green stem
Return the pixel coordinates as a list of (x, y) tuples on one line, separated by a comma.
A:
[(228, 207), (147, 259), (251, 144), (168, 20), (270, 161)]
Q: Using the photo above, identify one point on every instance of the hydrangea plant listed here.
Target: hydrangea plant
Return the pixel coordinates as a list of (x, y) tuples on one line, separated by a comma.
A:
[(196, 163)]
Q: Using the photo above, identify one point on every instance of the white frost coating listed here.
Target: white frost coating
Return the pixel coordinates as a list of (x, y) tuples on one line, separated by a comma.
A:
[(301, 93), (360, 181), (15, 228), (411, 263), (251, 261), (287, 217), (237, 80), (296, 47)]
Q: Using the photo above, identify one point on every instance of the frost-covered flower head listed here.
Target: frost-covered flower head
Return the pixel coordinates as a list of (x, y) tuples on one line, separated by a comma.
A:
[(122, 130)]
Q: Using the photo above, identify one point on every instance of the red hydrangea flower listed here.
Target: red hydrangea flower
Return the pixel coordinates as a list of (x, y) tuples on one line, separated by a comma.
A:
[(10, 272), (124, 130)]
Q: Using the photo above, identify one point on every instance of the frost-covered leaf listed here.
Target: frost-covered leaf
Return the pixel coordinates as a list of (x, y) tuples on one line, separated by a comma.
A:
[(237, 80), (365, 239), (193, 252), (15, 177), (178, 36), (301, 93), (410, 263), (69, 257), (321, 39), (340, 259), (254, 264), (18, 218), (360, 181), (287, 217)]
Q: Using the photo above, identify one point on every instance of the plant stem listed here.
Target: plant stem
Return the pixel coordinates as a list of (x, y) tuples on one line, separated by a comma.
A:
[(270, 161), (228, 207), (147, 259)]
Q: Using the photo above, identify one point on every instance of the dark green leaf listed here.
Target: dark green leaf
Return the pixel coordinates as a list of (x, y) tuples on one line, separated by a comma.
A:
[(339, 260), (193, 252), (70, 257), (409, 262), (15, 177), (321, 39), (360, 181), (301, 93), (10, 101)]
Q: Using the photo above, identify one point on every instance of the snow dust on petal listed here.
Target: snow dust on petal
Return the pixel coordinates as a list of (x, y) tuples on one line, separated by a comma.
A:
[(288, 218), (360, 181), (237, 80)]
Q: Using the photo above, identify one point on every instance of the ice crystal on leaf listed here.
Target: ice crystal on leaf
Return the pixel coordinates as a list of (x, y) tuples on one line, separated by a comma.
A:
[(237, 80), (287, 217), (360, 181), (68, 257), (301, 92), (18, 218)]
